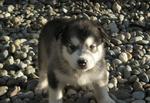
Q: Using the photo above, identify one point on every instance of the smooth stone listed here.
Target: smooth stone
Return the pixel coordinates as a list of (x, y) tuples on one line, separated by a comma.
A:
[(123, 94), (133, 78), (3, 73), (137, 86), (116, 41), (121, 17), (71, 92), (123, 57), (10, 8), (143, 42), (147, 99), (3, 90), (12, 48), (127, 72), (144, 77), (5, 53), (15, 91), (5, 38), (6, 100), (138, 101), (22, 65), (137, 38), (19, 74), (32, 84), (117, 62), (138, 95), (28, 94), (30, 70), (113, 27), (116, 7), (1, 65), (10, 60)]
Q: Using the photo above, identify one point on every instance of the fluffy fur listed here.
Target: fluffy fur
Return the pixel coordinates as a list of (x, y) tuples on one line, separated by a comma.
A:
[(72, 52)]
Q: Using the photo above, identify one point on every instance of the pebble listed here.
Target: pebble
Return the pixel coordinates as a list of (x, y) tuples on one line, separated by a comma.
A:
[(28, 94), (3, 90), (71, 92), (147, 99), (15, 91), (127, 72), (138, 101), (5, 53), (116, 41), (32, 84), (144, 77), (12, 48), (137, 86), (3, 73), (116, 7), (10, 8), (10, 60), (30, 70), (138, 95), (6, 100), (128, 53), (113, 27), (1, 65), (123, 57)]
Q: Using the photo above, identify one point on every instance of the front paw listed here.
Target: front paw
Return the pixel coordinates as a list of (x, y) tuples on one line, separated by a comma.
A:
[(107, 101), (39, 90)]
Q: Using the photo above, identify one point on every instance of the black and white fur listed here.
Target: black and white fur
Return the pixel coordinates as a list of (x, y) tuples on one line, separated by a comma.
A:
[(72, 52)]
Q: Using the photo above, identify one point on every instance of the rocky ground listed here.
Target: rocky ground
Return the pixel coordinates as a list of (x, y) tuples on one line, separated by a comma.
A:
[(127, 53)]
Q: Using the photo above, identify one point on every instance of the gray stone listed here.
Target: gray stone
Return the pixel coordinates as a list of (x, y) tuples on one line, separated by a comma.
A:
[(144, 77), (138, 95), (113, 27), (32, 84), (138, 101), (147, 99), (71, 92), (5, 54), (28, 94), (127, 72), (116, 41)]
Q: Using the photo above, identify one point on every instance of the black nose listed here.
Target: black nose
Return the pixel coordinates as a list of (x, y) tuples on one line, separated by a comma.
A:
[(82, 63)]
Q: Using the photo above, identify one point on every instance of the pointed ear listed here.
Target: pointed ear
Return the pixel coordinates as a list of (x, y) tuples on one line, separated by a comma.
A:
[(103, 34), (61, 28)]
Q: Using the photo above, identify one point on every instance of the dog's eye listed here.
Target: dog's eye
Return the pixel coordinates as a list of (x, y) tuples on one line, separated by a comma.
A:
[(93, 47), (71, 47)]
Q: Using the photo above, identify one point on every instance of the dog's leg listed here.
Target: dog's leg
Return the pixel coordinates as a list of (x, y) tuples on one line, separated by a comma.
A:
[(102, 95), (55, 95), (100, 89)]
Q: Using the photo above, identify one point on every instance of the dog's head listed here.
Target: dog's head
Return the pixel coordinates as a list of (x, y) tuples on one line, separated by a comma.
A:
[(82, 44)]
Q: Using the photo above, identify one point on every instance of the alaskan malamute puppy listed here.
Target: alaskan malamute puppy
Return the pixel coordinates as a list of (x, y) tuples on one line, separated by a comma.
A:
[(72, 52)]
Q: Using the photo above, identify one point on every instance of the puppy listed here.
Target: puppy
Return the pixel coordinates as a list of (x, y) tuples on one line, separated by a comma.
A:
[(72, 52)]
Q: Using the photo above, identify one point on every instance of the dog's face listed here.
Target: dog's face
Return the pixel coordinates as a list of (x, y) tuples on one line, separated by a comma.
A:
[(82, 45)]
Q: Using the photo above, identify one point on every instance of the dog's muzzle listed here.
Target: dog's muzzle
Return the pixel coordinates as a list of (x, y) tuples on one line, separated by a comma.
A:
[(82, 63)]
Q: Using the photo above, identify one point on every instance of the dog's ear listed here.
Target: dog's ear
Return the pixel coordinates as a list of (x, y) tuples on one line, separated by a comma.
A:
[(103, 34), (63, 24)]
